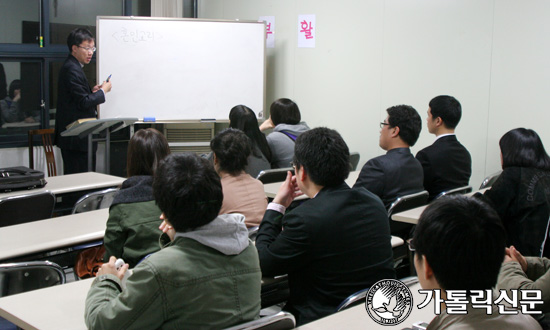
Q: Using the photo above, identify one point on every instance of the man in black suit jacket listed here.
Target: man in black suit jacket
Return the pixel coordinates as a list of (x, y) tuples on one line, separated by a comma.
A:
[(76, 100), (446, 163), (332, 245), (397, 173)]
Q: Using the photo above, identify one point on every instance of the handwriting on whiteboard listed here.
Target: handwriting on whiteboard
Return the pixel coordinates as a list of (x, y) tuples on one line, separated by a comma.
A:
[(136, 36)]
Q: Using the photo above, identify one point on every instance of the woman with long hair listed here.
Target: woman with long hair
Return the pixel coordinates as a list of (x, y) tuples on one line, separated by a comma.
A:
[(243, 118), (133, 225), (521, 195)]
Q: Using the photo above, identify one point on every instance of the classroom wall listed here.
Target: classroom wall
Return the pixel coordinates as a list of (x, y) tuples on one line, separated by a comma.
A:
[(372, 54)]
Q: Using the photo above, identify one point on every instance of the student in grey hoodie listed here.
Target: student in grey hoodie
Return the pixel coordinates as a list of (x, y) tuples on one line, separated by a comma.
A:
[(285, 120), (208, 276)]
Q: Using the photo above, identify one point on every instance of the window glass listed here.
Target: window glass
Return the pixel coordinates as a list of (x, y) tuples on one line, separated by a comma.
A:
[(20, 97), (141, 8), (66, 15), (19, 21)]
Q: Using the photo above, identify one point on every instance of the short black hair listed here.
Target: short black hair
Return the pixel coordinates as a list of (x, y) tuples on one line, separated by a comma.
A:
[(324, 155), (408, 120), (463, 240), (232, 148), (447, 108), (188, 191), (284, 111), (522, 147), (146, 149), (77, 36), (15, 84), (243, 118)]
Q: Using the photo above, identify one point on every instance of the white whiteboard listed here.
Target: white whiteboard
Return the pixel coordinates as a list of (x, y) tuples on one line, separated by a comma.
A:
[(180, 69)]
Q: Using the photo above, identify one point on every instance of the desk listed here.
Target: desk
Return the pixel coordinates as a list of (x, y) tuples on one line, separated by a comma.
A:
[(57, 307), (412, 215), (358, 318), (62, 307), (271, 189), (51, 234), (64, 184)]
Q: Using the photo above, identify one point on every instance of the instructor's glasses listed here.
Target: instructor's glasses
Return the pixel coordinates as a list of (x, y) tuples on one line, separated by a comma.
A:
[(88, 49)]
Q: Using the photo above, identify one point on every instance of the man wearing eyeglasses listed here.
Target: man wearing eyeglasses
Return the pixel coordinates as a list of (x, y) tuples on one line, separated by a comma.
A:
[(397, 173), (76, 100)]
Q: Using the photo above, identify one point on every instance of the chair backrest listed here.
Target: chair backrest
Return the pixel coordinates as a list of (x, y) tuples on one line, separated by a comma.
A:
[(408, 202), (455, 191), (95, 201), (274, 175), (31, 275), (279, 321), (489, 180), (353, 300), (353, 160), (29, 207), (47, 142)]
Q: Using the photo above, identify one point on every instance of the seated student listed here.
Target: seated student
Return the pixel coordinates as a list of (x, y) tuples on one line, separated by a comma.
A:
[(241, 193), (332, 245), (396, 173), (243, 118), (208, 276), (521, 195), (285, 120), (446, 163), (459, 244), (132, 228), (531, 273), (10, 107)]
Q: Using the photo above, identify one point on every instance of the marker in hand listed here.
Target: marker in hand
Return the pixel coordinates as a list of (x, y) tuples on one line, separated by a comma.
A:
[(109, 77)]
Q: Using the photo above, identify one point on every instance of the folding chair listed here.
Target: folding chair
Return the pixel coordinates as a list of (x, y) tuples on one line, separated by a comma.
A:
[(455, 191), (47, 135), (29, 207), (489, 180), (30, 275), (95, 201)]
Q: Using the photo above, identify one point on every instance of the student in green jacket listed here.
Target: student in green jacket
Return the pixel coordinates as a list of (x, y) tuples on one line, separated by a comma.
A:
[(208, 276)]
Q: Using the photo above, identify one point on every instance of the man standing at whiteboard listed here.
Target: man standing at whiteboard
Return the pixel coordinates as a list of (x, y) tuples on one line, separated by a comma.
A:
[(76, 100)]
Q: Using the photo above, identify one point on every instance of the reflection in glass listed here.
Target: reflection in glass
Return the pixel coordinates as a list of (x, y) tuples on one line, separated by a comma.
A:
[(19, 21), (20, 109), (66, 15)]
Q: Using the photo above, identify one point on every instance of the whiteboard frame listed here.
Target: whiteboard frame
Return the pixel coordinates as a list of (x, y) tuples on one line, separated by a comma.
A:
[(261, 114)]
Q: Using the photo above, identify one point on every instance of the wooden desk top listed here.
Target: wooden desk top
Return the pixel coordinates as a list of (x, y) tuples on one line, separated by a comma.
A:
[(50, 234), (271, 189), (73, 182)]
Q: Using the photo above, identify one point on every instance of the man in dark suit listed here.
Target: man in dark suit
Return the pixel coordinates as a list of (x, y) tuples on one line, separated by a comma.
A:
[(446, 163), (76, 100), (332, 245), (397, 173)]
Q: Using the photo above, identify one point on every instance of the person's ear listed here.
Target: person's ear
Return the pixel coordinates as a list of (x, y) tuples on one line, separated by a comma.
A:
[(428, 271), (438, 121), (215, 159), (395, 131), (302, 174)]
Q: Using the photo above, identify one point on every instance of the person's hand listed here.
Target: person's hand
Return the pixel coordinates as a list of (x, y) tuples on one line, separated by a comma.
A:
[(16, 95), (267, 124), (166, 228), (106, 86), (110, 268), (516, 256), (29, 120), (288, 191), (96, 88)]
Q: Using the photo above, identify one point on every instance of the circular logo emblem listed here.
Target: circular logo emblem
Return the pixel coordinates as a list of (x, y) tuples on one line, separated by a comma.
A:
[(389, 302)]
